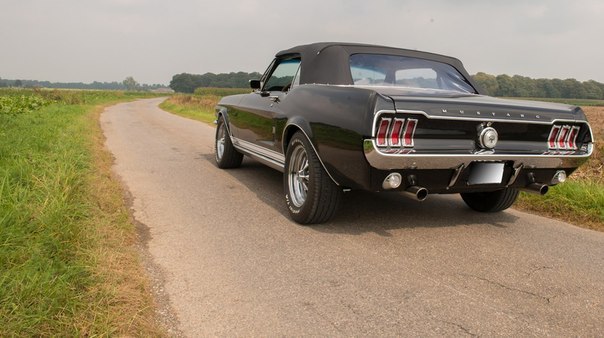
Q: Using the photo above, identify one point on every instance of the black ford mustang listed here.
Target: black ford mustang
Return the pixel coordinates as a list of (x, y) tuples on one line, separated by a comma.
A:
[(337, 116)]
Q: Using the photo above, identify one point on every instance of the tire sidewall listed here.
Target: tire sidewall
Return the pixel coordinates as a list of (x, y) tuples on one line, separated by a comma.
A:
[(302, 212), (219, 126)]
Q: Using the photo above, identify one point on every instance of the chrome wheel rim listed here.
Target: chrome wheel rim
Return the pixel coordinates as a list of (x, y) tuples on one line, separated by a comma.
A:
[(220, 142), (298, 175)]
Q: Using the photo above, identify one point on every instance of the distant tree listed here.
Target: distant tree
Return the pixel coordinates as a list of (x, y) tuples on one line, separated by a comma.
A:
[(130, 83), (523, 86), (505, 85), (183, 83), (187, 83), (487, 82), (18, 83), (572, 89), (592, 90)]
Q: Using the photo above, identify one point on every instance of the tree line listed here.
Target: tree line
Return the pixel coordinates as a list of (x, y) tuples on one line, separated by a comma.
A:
[(522, 86), (187, 83), (495, 85), (128, 84)]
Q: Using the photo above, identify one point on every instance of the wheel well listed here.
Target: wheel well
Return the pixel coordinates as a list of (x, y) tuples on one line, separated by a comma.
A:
[(287, 136)]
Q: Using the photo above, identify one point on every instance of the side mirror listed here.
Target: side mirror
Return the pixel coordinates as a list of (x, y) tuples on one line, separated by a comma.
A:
[(255, 84)]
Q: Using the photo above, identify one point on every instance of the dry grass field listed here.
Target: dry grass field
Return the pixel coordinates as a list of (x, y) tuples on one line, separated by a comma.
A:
[(593, 169)]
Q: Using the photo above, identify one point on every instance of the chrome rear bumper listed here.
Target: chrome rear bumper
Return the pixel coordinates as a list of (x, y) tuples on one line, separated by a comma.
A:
[(385, 160)]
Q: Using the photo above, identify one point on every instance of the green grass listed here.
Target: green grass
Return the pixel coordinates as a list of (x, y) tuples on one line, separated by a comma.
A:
[(51, 271), (579, 202), (200, 108), (202, 91)]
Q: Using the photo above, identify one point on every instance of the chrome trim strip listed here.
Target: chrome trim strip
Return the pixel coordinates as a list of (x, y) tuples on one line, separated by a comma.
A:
[(385, 161), (485, 119), (256, 150)]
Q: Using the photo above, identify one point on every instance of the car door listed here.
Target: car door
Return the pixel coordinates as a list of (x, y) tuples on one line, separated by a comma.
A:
[(255, 119)]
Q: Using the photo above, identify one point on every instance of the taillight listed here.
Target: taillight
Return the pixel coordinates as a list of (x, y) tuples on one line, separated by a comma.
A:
[(571, 143), (409, 132), (395, 132), (563, 137), (382, 132), (561, 142), (553, 136), (395, 135)]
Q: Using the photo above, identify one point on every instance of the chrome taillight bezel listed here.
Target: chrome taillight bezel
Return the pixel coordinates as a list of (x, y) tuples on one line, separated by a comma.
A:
[(563, 137), (395, 132)]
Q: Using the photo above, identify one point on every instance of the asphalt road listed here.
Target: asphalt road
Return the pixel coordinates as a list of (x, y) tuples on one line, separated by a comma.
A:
[(232, 263)]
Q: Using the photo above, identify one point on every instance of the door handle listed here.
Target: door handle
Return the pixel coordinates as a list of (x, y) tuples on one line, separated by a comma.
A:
[(274, 98)]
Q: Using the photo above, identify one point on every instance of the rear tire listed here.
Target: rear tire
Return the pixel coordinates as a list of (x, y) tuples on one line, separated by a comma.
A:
[(311, 196), (491, 201), (225, 153)]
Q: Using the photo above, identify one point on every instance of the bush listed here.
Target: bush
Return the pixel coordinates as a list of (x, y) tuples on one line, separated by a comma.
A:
[(16, 105)]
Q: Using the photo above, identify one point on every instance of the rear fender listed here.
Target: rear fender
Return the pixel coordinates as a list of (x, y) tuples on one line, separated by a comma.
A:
[(296, 124)]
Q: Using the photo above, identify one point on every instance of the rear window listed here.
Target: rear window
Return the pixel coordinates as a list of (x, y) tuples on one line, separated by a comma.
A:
[(406, 72)]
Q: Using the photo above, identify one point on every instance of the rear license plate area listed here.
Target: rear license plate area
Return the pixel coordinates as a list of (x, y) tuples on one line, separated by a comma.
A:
[(486, 173)]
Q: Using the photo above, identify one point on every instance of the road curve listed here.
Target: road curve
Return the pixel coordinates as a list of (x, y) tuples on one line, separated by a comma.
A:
[(234, 264)]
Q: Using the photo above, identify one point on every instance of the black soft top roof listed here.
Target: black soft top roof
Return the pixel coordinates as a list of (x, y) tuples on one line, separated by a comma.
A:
[(327, 62)]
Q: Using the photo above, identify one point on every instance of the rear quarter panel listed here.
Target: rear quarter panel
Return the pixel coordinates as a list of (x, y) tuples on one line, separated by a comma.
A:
[(336, 119)]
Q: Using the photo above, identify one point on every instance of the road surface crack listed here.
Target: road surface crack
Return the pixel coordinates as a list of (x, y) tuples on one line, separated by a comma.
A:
[(509, 288), (461, 327), (539, 268)]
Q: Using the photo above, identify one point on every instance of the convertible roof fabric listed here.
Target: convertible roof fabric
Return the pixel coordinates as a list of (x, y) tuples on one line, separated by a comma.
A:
[(328, 62)]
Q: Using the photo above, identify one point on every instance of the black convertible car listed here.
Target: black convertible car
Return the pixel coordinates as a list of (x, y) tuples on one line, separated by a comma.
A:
[(338, 116)]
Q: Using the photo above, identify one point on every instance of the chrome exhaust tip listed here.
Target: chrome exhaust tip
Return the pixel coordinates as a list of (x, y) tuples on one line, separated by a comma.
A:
[(419, 193), (536, 188)]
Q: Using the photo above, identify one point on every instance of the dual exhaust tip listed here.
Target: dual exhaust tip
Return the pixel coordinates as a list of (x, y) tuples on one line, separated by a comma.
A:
[(394, 180), (541, 188)]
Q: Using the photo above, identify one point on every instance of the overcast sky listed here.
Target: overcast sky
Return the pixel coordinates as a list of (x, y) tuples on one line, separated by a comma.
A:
[(151, 40)]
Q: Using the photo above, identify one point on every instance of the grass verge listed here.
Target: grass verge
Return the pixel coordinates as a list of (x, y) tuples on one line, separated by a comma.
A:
[(577, 202), (68, 261), (200, 108), (580, 200)]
